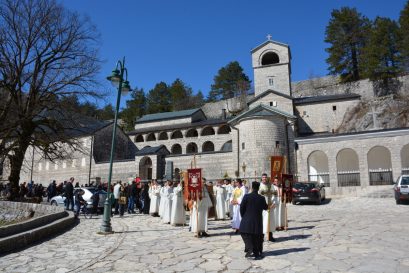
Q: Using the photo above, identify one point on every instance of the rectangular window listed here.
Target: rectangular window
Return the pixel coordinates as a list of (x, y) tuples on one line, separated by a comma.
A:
[(304, 113), (270, 81), (83, 162), (64, 164), (277, 144), (243, 146), (40, 166), (334, 108)]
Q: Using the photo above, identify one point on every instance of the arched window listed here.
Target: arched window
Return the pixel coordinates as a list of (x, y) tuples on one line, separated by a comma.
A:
[(192, 133), (163, 136), (176, 149), (139, 138), (348, 168), (270, 58), (207, 131), (208, 146), (191, 148), (224, 130), (227, 147), (318, 169), (380, 166), (176, 134), (151, 137)]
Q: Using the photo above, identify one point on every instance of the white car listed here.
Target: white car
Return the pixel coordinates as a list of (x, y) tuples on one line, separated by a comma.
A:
[(88, 192), (401, 189)]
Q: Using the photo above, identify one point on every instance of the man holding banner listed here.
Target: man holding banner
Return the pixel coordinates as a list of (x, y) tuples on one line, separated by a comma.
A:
[(269, 192), (201, 203)]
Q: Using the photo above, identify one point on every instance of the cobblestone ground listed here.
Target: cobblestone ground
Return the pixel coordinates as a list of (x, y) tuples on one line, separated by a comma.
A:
[(342, 235)]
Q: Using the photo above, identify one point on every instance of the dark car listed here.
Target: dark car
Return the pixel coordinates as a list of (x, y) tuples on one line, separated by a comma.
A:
[(308, 192), (401, 189)]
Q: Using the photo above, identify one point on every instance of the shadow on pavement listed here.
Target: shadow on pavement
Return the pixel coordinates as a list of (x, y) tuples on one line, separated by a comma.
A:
[(302, 227), (279, 252), (292, 237)]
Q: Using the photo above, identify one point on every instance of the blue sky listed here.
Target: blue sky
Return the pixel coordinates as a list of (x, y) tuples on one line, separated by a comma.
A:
[(192, 39)]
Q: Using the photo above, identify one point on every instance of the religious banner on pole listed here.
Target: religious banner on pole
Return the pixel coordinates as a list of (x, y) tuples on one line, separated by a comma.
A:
[(276, 166), (194, 182), (287, 188)]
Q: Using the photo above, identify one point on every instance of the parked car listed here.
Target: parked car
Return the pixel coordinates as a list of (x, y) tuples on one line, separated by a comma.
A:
[(308, 192), (401, 189), (59, 200)]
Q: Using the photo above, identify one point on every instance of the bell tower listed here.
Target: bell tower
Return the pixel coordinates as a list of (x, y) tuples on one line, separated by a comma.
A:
[(271, 65)]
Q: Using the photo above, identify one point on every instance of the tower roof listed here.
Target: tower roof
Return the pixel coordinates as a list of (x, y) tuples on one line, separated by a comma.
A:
[(266, 43)]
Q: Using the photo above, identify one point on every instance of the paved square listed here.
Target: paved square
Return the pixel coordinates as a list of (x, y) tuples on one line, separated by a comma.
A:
[(343, 235)]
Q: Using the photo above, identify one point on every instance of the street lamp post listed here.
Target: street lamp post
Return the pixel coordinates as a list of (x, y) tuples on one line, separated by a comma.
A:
[(117, 79)]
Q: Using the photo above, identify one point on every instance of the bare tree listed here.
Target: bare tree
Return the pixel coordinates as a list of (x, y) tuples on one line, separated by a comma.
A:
[(46, 53)]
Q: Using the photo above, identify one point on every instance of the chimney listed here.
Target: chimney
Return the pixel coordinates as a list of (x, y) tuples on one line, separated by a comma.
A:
[(223, 114)]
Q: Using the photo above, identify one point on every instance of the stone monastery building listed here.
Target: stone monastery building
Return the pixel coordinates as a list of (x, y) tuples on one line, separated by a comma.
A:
[(236, 137)]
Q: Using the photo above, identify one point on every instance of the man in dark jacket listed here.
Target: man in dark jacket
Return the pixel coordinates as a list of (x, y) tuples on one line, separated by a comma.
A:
[(251, 226), (69, 194)]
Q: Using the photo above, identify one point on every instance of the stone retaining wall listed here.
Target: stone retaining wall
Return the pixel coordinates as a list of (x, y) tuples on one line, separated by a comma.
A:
[(52, 220)]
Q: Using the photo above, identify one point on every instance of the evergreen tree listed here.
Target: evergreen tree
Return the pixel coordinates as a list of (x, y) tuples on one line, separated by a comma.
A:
[(382, 60), (159, 99), (180, 95), (106, 113), (229, 81), (135, 108), (404, 34), (347, 33)]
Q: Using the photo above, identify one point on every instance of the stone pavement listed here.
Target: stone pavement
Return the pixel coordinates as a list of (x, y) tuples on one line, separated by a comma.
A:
[(343, 235)]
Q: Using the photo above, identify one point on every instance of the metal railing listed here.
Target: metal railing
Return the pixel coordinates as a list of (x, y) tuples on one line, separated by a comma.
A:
[(405, 170), (348, 179), (321, 178), (380, 177)]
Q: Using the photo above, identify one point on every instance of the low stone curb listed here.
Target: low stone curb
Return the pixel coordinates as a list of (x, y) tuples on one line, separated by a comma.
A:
[(23, 239)]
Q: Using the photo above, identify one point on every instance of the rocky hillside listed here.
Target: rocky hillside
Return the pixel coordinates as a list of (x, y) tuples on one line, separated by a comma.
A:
[(387, 112)]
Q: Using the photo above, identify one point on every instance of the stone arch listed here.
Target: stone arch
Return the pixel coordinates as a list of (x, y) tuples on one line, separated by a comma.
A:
[(318, 169), (208, 146), (176, 149), (151, 137), (139, 138), (348, 168), (270, 58), (192, 133), (163, 136), (191, 148), (145, 168), (404, 156), (227, 146), (207, 131), (380, 166), (176, 134), (224, 130)]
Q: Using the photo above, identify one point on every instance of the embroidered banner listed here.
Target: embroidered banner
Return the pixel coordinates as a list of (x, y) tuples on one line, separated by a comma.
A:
[(276, 166)]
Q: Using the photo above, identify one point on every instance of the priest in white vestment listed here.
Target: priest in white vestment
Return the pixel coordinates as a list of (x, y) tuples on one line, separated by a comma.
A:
[(167, 202), (270, 193), (161, 201), (178, 215), (235, 200), (279, 210), (199, 215), (154, 195), (220, 192), (229, 191)]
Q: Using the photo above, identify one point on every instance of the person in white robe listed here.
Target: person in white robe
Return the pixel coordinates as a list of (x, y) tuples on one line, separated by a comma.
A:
[(161, 201), (236, 198), (199, 215), (167, 202), (229, 191), (220, 192), (279, 210), (178, 215), (154, 195), (270, 192)]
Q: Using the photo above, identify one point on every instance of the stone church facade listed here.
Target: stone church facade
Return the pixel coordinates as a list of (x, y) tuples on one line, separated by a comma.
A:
[(236, 137)]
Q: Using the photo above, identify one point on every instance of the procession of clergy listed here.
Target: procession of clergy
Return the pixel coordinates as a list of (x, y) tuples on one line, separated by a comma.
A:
[(168, 203)]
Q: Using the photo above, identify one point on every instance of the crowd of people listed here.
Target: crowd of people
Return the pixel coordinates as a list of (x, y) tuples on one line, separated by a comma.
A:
[(254, 213)]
